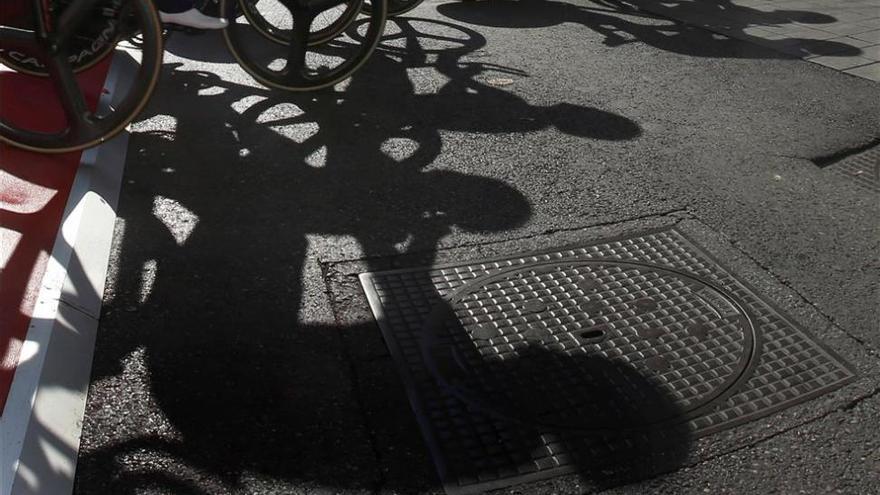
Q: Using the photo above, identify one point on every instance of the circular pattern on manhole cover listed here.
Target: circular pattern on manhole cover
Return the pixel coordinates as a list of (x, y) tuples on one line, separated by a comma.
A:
[(590, 345)]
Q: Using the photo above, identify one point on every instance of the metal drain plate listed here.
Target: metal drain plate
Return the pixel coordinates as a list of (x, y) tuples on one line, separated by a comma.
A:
[(862, 168), (690, 338), (532, 366)]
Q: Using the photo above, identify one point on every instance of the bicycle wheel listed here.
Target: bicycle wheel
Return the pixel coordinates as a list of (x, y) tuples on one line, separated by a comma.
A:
[(58, 76), (326, 26), (412, 37), (398, 7), (297, 62)]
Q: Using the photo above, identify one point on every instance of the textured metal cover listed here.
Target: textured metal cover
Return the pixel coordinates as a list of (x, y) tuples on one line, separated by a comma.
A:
[(862, 168), (532, 366)]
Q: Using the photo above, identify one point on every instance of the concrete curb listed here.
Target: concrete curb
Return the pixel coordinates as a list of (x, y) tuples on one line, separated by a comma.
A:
[(42, 421)]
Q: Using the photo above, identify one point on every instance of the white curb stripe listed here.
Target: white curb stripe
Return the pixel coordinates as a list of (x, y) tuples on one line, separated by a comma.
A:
[(41, 424)]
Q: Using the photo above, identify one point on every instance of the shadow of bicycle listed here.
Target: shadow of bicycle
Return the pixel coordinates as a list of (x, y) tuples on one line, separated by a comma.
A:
[(217, 370), (684, 27)]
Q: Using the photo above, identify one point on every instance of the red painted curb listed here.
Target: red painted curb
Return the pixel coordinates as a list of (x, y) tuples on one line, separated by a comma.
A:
[(33, 193)]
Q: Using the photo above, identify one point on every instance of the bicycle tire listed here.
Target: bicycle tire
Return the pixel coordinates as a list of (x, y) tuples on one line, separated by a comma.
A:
[(300, 82), (398, 7), (26, 64), (124, 111), (319, 37)]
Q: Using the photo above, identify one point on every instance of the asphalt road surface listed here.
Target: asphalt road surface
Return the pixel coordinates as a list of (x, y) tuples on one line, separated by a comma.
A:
[(235, 353)]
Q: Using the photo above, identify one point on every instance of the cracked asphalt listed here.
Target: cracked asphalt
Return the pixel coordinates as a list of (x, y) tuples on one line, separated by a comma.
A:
[(236, 353)]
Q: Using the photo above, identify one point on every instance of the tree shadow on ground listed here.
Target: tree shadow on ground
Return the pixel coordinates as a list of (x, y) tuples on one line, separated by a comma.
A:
[(207, 378)]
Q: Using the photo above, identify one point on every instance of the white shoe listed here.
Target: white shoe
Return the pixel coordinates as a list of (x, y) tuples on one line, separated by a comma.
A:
[(195, 19)]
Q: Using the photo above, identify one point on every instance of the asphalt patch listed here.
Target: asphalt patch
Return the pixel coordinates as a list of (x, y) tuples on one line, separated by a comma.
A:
[(604, 357)]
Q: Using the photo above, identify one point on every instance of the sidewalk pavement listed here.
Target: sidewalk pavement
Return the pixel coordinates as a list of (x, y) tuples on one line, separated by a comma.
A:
[(843, 35)]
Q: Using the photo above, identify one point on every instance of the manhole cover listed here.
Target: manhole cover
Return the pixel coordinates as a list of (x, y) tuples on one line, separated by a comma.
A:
[(862, 168), (518, 367), (519, 344)]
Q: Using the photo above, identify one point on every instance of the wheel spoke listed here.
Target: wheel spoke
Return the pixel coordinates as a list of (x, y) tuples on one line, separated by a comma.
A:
[(13, 38), (72, 99), (70, 19), (304, 71), (299, 45)]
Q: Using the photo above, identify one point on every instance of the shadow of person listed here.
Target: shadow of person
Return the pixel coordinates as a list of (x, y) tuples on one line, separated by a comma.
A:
[(555, 400), (600, 418), (210, 308), (656, 24), (729, 14)]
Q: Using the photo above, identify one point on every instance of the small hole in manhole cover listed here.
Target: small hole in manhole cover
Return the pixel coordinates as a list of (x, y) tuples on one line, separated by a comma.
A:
[(594, 333)]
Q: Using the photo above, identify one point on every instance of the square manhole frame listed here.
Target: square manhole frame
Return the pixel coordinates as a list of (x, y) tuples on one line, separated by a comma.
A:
[(688, 244)]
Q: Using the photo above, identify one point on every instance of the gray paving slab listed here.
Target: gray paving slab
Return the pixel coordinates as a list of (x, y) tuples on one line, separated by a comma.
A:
[(809, 30), (871, 71), (850, 41), (872, 52), (845, 28), (842, 62), (870, 36)]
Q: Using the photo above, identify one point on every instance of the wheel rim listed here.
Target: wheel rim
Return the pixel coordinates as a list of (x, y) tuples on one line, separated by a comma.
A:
[(85, 123), (334, 24), (90, 44), (300, 65)]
